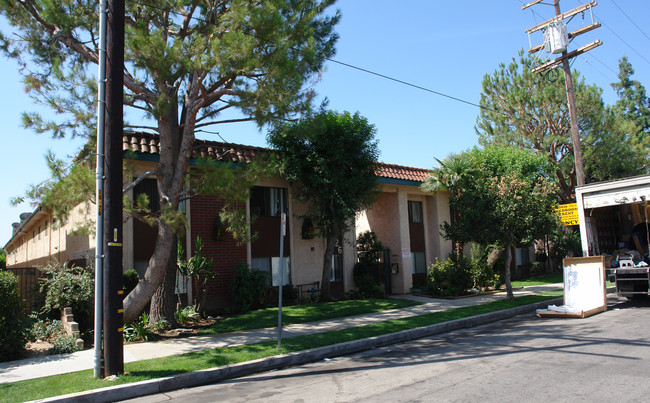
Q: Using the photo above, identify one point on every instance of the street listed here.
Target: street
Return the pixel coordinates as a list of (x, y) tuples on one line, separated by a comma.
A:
[(605, 357)]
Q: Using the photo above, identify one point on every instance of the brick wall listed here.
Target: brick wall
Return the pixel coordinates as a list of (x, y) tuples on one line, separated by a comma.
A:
[(226, 254)]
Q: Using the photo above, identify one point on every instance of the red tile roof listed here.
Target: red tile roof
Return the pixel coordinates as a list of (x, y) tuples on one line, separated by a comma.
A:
[(147, 143), (400, 172)]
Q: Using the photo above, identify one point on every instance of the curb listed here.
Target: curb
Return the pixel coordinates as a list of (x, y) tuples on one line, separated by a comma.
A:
[(212, 375)]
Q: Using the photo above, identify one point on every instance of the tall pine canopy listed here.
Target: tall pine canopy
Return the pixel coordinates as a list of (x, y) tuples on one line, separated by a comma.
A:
[(189, 65)]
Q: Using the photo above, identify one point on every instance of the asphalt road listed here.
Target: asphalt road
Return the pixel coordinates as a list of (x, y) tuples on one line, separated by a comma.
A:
[(605, 357)]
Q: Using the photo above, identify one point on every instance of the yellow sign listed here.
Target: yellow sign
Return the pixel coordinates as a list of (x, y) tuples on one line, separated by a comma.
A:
[(568, 214)]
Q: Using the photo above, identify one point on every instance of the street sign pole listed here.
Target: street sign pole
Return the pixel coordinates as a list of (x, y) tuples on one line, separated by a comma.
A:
[(283, 231)]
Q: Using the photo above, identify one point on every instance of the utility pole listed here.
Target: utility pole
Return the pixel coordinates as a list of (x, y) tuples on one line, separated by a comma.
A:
[(564, 60), (99, 195), (570, 94), (113, 293)]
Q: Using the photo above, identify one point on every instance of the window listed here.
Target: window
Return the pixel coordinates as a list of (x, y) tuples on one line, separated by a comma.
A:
[(39, 232), (415, 211), (337, 268), (268, 202), (149, 187), (522, 256), (272, 265), (419, 264)]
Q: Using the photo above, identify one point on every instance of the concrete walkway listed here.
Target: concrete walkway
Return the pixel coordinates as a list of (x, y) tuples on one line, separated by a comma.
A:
[(14, 371)]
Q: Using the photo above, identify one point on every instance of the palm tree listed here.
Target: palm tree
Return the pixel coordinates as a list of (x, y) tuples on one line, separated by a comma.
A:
[(448, 176)]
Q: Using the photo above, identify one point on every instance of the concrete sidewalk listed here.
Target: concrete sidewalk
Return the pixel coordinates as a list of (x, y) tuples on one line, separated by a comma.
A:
[(14, 371)]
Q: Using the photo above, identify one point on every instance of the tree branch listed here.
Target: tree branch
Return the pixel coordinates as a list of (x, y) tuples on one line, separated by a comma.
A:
[(218, 122), (138, 180), (214, 113)]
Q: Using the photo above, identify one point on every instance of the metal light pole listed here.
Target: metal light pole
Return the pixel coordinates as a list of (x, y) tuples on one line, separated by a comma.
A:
[(99, 194), (283, 231)]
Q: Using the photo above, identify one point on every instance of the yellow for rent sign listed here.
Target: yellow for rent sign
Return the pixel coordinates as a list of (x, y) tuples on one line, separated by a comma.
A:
[(568, 213)]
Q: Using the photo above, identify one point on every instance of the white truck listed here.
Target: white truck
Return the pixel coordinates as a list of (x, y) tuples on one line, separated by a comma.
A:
[(613, 219)]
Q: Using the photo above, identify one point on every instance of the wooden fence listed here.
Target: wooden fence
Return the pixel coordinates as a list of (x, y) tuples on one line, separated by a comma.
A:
[(27, 285)]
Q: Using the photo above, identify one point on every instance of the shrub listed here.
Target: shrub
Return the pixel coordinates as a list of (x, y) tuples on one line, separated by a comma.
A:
[(52, 331), (564, 244), (199, 268), (13, 324), (482, 273), (249, 287), (450, 277), (63, 343), (69, 287), (537, 269), (130, 280), (369, 248), (140, 329), (186, 315), (365, 280), (43, 330)]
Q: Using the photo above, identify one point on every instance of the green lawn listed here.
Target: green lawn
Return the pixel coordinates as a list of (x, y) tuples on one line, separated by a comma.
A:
[(547, 279), (539, 280), (167, 366), (295, 314)]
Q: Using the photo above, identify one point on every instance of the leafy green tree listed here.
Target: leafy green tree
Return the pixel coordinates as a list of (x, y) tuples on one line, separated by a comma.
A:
[(13, 323), (450, 171), (189, 64), (633, 112), (73, 287), (508, 200), (529, 110), (332, 159), (633, 103), (618, 150), (3, 258)]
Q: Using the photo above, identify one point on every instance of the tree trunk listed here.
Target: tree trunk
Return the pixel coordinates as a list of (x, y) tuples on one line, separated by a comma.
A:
[(325, 294), (175, 144), (200, 306), (163, 301), (138, 299), (510, 296)]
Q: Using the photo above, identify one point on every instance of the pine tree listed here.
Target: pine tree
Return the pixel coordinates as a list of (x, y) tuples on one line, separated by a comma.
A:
[(188, 64)]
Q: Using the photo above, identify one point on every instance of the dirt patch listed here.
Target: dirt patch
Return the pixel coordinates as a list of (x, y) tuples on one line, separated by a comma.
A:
[(42, 348), (189, 329), (37, 349)]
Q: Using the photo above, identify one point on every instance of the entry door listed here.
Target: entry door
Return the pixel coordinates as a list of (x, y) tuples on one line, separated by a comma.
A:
[(416, 233)]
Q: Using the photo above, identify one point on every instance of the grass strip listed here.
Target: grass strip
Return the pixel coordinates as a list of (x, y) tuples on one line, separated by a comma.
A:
[(547, 279), (296, 314), (167, 366), (540, 280)]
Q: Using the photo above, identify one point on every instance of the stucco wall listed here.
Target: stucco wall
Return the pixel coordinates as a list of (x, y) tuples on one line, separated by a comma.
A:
[(43, 240), (388, 218)]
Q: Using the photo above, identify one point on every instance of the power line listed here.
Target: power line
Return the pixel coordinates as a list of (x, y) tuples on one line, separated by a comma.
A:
[(594, 67), (405, 83), (624, 41), (606, 66), (339, 62), (628, 17), (618, 36)]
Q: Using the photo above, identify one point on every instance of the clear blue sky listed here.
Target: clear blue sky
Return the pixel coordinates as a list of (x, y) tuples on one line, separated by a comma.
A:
[(443, 46)]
